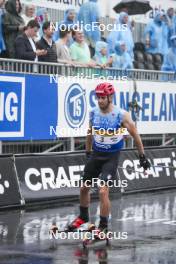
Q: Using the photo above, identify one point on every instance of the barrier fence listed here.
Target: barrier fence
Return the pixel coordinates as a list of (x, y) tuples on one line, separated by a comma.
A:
[(22, 66), (31, 179)]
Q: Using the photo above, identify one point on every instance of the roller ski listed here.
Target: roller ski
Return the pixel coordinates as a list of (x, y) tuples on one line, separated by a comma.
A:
[(96, 236), (78, 225)]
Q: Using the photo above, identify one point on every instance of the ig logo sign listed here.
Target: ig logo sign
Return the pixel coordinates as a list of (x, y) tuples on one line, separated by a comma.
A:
[(12, 106)]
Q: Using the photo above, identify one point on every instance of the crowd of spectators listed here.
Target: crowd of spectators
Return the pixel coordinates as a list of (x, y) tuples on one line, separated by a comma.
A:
[(29, 35)]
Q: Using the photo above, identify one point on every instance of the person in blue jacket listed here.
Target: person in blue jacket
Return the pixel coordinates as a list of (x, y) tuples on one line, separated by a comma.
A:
[(169, 63), (171, 23), (121, 33), (69, 21), (121, 58), (156, 34), (89, 15), (101, 54)]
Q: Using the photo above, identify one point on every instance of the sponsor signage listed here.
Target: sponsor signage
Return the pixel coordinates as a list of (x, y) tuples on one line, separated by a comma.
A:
[(46, 107), (28, 107), (9, 188), (57, 176), (162, 173), (49, 176), (39, 178), (12, 106)]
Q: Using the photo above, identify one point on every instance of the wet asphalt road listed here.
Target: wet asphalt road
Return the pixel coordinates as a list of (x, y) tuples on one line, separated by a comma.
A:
[(148, 220)]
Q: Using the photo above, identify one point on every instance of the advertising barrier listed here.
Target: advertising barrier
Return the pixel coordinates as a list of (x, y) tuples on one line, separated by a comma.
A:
[(28, 107), (162, 173), (157, 101), (9, 187), (50, 176), (44, 178), (45, 107)]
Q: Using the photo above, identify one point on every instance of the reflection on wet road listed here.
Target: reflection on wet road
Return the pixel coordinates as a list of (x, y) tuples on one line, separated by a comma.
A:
[(149, 220)]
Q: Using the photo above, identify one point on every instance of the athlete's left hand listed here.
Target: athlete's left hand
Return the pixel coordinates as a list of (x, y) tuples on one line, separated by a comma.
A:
[(144, 162)]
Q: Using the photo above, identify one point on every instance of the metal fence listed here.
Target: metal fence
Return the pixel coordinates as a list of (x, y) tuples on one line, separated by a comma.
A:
[(58, 69), (76, 144)]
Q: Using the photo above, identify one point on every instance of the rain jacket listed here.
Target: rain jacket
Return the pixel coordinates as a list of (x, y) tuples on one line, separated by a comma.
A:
[(11, 21), (121, 35), (66, 22), (89, 15), (99, 58), (157, 31), (169, 63), (121, 59)]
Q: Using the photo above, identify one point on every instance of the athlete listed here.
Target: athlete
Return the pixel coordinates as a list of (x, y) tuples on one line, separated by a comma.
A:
[(103, 144)]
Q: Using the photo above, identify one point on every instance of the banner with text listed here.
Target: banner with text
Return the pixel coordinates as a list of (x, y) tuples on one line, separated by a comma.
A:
[(36, 107), (156, 103), (28, 107), (9, 188), (162, 173), (46, 177)]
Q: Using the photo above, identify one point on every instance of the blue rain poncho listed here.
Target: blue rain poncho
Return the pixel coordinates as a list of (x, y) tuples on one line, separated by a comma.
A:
[(157, 32), (89, 15), (121, 34), (66, 21), (171, 27), (121, 58), (99, 57), (169, 63)]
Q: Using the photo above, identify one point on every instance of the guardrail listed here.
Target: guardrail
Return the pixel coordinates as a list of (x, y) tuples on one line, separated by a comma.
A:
[(60, 69)]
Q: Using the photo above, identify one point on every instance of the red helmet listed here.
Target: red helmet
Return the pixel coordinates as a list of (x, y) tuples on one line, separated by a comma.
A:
[(104, 89)]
